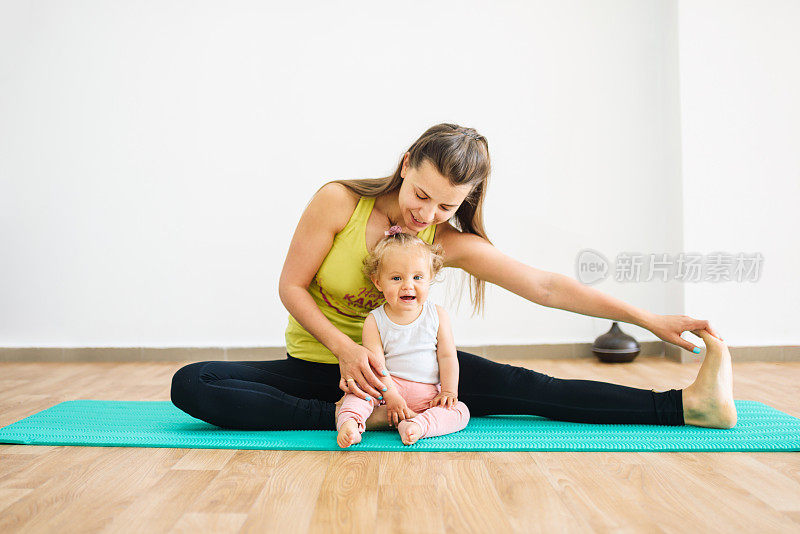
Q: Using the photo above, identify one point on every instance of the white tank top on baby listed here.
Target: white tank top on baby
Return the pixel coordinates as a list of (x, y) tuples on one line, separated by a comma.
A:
[(410, 349)]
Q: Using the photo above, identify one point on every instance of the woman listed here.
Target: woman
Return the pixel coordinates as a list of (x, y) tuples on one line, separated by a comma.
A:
[(440, 180)]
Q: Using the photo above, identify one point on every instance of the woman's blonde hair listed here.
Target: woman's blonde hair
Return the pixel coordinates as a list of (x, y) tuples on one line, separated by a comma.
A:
[(462, 155), (373, 261)]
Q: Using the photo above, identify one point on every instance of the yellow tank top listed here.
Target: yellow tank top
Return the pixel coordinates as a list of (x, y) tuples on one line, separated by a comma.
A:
[(340, 289)]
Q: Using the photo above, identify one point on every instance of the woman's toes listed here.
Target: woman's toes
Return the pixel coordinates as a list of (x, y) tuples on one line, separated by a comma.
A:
[(708, 339)]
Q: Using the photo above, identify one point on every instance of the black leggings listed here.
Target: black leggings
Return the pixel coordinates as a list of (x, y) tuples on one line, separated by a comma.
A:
[(294, 394)]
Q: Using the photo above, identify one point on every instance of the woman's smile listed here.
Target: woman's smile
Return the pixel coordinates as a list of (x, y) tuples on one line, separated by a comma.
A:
[(416, 222)]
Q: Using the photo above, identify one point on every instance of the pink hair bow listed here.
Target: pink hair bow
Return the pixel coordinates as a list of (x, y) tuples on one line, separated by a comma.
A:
[(393, 230)]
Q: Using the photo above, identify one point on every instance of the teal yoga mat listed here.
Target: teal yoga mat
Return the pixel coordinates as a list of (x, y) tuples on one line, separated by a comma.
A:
[(160, 424)]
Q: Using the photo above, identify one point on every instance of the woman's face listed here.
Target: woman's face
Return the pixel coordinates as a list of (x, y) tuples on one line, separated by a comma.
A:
[(426, 197)]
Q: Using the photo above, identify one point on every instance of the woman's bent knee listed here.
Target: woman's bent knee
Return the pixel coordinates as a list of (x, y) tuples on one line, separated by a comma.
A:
[(185, 387)]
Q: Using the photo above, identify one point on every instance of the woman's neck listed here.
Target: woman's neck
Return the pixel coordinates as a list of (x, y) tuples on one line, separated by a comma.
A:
[(388, 205)]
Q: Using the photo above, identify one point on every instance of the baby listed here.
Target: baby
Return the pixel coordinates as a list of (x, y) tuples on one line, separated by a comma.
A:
[(413, 338)]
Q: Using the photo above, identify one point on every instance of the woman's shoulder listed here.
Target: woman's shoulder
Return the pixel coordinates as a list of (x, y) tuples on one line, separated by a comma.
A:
[(456, 244), (338, 203)]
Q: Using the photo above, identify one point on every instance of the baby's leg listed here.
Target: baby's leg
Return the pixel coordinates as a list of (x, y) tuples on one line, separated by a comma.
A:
[(351, 419), (436, 421)]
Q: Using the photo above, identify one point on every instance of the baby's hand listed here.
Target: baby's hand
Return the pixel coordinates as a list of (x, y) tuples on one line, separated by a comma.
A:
[(397, 410), (446, 398)]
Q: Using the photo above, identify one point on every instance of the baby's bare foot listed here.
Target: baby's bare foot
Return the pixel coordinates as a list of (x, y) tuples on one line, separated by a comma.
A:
[(409, 431), (708, 402), (348, 434)]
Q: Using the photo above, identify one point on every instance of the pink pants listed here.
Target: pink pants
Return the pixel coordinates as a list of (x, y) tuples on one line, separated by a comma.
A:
[(435, 421)]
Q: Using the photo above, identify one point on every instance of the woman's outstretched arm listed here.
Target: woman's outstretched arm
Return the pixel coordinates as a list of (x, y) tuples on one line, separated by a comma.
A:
[(568, 294), (482, 259)]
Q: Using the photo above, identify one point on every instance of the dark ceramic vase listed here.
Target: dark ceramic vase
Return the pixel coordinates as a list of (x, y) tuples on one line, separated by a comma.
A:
[(615, 346)]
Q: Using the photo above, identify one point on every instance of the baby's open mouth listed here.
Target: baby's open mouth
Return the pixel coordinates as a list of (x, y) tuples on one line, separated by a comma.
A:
[(408, 297)]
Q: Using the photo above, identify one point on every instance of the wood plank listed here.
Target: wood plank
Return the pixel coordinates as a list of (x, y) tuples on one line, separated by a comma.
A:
[(528, 499), (402, 487), (160, 509), (54, 493), (41, 468), (194, 522), (584, 493), (729, 507), (205, 459), (289, 497), (470, 501), (9, 496), (104, 490), (238, 485), (348, 495), (781, 493)]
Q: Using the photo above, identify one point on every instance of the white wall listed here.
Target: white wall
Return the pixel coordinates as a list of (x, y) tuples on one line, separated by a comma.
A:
[(740, 97), (155, 157)]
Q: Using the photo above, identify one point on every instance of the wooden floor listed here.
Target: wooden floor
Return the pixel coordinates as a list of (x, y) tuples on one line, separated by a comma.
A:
[(112, 489)]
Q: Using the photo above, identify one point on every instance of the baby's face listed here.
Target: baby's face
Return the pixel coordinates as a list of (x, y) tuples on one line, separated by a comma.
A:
[(404, 278)]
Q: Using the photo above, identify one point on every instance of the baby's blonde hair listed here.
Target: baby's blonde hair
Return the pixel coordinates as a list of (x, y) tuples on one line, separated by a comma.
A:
[(372, 262)]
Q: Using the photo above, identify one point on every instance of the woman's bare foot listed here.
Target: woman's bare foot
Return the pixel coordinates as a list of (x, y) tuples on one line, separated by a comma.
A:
[(409, 431), (348, 434), (708, 402)]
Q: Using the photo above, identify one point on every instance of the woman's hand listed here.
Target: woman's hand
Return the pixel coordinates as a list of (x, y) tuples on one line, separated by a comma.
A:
[(355, 364), (446, 398), (397, 410), (670, 327)]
